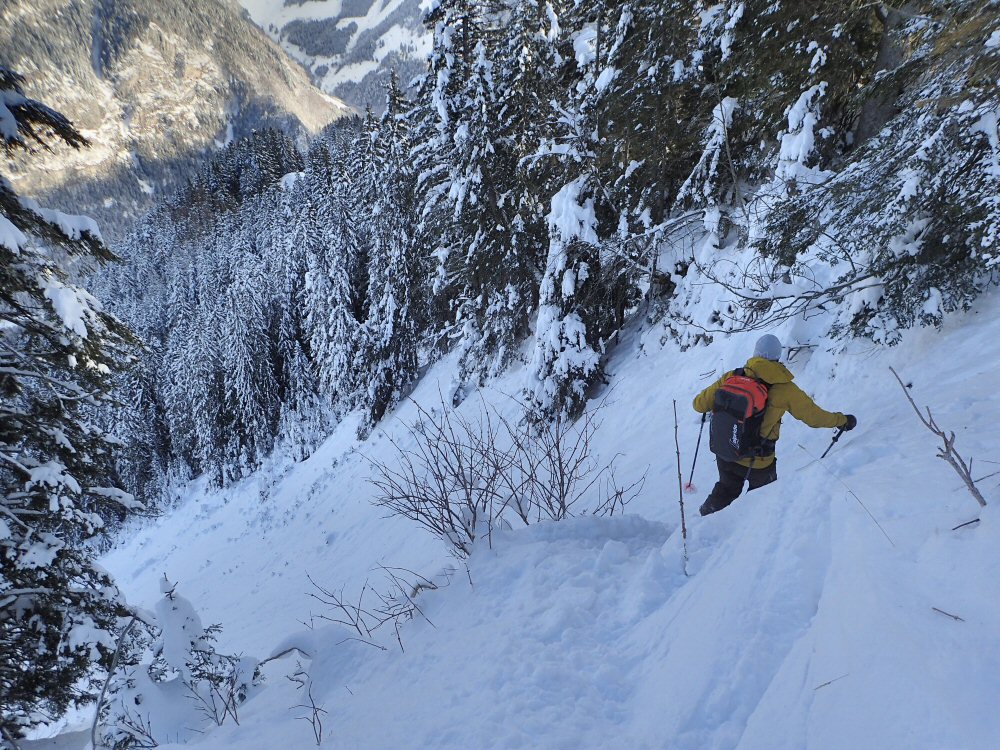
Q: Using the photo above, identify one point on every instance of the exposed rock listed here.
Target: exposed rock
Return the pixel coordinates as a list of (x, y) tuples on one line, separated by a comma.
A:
[(352, 46), (154, 85)]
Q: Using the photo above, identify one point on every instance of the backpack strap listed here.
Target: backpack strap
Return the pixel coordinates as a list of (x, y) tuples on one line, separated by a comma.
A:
[(766, 447)]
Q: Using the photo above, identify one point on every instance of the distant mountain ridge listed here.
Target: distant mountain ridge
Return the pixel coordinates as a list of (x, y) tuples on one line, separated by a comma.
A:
[(351, 46), (154, 85)]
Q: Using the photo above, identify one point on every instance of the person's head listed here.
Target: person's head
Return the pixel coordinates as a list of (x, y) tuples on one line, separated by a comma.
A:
[(768, 347)]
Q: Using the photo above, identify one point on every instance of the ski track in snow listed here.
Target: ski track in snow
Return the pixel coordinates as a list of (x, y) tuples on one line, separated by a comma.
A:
[(799, 626)]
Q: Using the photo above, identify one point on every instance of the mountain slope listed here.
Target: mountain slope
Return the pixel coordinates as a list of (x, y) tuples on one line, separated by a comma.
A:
[(351, 46), (801, 624), (153, 84)]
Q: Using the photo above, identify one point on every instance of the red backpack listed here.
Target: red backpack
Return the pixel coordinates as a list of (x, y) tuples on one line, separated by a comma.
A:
[(737, 416)]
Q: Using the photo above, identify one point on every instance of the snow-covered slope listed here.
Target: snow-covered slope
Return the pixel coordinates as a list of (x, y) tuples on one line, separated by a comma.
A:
[(800, 625), (351, 46)]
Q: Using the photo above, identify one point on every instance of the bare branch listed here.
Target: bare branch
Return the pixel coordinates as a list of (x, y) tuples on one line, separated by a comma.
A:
[(460, 477), (947, 452)]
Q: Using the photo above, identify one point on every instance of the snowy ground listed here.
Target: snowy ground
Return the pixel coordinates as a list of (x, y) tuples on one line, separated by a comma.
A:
[(801, 625)]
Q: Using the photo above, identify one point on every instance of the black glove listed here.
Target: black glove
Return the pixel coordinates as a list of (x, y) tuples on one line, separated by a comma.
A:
[(852, 422)]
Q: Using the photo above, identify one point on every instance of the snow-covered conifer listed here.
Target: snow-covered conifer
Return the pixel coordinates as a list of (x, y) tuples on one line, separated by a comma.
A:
[(395, 268), (58, 350)]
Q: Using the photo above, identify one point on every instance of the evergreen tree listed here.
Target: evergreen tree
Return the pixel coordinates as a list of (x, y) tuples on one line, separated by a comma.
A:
[(303, 415), (332, 297), (478, 210), (653, 111), (395, 270), (58, 350), (251, 404), (578, 305)]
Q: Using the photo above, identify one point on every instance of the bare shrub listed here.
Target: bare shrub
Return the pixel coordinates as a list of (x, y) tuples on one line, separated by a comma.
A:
[(314, 712), (462, 479), (373, 609)]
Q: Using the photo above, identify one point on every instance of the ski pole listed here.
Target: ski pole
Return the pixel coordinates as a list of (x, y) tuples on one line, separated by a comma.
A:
[(680, 493), (840, 431), (689, 487)]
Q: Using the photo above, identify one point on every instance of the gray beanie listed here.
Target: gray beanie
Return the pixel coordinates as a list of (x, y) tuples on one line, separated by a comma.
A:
[(768, 347)]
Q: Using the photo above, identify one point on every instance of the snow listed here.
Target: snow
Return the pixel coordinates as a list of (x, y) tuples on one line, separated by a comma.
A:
[(818, 59), (605, 78), (910, 242), (74, 227), (800, 625), (72, 304), (121, 497), (9, 130), (52, 474), (571, 218), (40, 554), (288, 181), (11, 237), (726, 40), (798, 143), (987, 125), (585, 46), (554, 30)]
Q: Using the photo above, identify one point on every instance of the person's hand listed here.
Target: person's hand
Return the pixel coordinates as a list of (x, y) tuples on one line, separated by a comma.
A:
[(852, 422)]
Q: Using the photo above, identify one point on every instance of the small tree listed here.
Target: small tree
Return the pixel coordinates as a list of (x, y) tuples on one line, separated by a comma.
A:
[(171, 678)]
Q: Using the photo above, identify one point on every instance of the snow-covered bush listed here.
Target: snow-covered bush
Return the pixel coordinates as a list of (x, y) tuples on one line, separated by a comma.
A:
[(170, 681)]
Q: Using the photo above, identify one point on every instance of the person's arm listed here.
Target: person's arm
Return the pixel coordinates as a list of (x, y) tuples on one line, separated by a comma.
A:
[(703, 401), (805, 410)]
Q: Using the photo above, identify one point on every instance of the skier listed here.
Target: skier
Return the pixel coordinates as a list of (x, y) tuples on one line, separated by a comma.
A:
[(777, 394)]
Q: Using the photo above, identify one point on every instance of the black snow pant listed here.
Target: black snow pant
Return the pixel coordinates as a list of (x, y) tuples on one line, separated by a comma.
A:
[(730, 485)]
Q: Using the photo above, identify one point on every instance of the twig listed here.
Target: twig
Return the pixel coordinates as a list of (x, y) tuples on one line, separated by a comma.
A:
[(830, 682), (948, 614), (680, 490), (11, 740), (111, 672), (948, 451), (286, 652), (315, 717), (967, 523)]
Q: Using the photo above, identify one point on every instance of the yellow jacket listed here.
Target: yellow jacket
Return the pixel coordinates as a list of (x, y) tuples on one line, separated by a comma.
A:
[(783, 395)]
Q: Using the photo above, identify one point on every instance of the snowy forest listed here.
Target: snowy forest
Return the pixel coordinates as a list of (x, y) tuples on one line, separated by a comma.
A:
[(521, 208), (566, 172)]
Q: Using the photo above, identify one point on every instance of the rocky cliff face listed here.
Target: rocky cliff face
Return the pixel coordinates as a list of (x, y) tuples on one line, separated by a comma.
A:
[(154, 85), (351, 46)]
